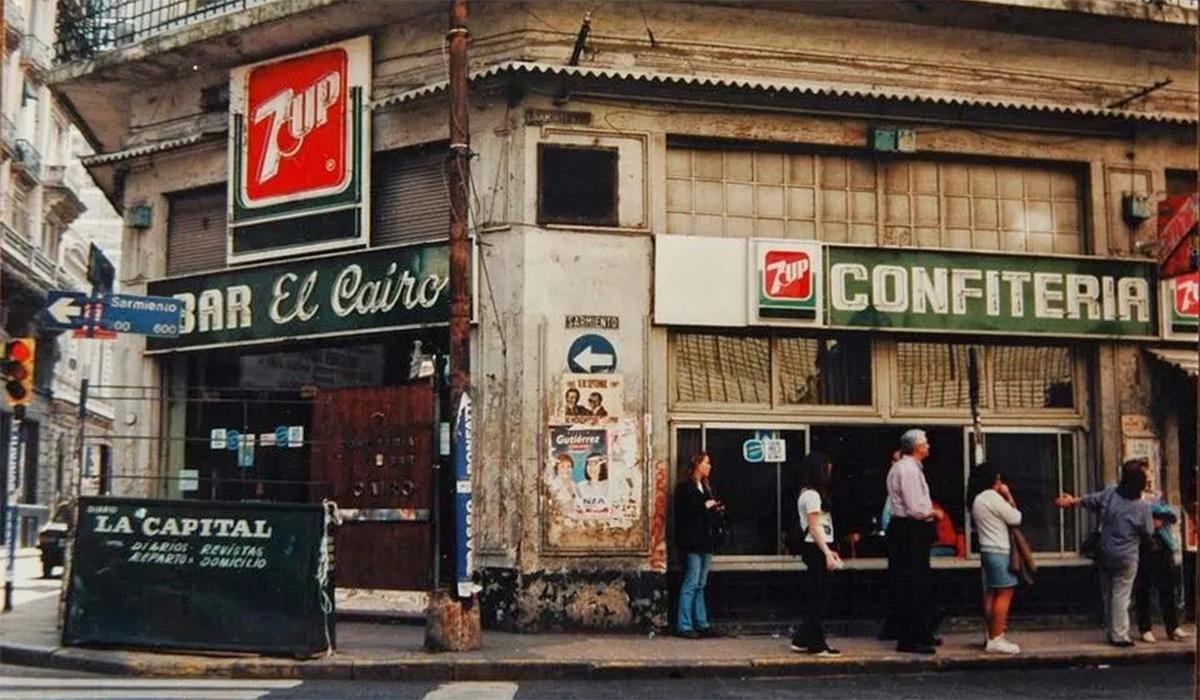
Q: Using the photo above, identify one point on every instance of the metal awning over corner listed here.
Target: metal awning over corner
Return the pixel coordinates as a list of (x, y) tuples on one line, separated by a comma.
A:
[(1186, 359), (772, 85)]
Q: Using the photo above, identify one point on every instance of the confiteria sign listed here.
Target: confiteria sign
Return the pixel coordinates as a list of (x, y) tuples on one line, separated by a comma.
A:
[(299, 152), (806, 283)]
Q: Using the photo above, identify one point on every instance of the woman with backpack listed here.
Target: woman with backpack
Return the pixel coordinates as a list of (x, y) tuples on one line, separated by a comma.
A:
[(1125, 520), (812, 508), (696, 510)]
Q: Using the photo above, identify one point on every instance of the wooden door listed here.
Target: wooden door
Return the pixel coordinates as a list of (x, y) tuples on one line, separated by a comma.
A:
[(372, 448)]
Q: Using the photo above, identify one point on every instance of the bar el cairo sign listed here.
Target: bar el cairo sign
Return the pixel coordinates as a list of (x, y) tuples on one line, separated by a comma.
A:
[(949, 291), (373, 290)]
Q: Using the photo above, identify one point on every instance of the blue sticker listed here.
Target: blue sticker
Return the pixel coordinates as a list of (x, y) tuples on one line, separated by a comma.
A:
[(752, 451), (232, 439)]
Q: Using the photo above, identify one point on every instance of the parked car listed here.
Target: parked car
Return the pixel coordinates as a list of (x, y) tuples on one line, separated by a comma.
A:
[(52, 538)]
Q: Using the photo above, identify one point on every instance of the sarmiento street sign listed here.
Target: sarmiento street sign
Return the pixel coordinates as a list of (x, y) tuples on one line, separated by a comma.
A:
[(371, 290), (989, 293), (198, 575)]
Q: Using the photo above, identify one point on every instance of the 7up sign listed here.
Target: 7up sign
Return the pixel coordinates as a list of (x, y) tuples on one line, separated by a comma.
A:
[(789, 278), (299, 152), (1181, 306)]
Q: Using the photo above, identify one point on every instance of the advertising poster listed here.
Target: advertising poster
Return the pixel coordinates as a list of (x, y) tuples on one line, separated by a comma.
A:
[(593, 487), (589, 396)]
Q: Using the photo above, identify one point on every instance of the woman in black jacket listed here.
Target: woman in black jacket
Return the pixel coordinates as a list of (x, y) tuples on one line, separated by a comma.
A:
[(694, 511)]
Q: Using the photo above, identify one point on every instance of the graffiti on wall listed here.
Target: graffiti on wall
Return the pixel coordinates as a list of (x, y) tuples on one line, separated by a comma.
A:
[(593, 487)]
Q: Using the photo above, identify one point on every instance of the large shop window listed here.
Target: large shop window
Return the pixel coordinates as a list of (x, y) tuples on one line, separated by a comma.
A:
[(843, 198), (1038, 466), (714, 368), (577, 185)]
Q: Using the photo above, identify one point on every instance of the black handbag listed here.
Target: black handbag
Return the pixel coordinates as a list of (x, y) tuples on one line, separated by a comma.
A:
[(718, 526), (1090, 547)]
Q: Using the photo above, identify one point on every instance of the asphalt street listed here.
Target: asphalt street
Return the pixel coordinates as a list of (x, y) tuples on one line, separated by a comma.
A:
[(1125, 683)]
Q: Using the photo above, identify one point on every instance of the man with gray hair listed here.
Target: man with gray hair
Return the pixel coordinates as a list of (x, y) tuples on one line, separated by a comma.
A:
[(909, 536)]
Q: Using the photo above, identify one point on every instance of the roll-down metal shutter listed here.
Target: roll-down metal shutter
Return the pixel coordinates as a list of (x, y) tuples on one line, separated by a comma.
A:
[(196, 231), (409, 198)]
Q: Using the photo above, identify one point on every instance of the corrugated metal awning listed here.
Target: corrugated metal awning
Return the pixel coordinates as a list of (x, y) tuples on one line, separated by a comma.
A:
[(1186, 359), (793, 87)]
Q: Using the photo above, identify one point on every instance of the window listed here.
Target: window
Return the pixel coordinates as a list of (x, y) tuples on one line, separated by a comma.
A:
[(409, 197), (810, 371), (935, 375), (577, 185), (845, 198), (1012, 377), (196, 232), (1038, 466)]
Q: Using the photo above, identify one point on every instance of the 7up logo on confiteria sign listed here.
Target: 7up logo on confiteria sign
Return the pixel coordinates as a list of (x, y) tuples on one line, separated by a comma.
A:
[(299, 151), (788, 276), (1181, 305)]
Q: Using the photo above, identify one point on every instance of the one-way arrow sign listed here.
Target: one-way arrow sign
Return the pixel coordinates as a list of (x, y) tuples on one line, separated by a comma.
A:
[(121, 313), (592, 353)]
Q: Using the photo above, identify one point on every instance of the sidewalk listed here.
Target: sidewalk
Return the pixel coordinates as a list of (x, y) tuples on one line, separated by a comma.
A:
[(393, 652)]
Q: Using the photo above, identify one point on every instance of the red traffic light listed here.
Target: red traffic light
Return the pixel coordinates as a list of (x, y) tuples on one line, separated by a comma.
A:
[(18, 351)]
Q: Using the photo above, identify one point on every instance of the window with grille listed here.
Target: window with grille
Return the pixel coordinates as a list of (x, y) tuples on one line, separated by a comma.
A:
[(1012, 377), (713, 368), (874, 201)]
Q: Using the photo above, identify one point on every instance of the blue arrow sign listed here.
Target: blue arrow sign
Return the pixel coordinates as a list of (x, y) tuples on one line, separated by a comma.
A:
[(123, 313), (592, 353)]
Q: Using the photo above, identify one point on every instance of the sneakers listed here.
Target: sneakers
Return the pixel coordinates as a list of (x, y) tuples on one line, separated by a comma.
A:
[(1148, 637), (1000, 645), (1178, 634), (824, 651)]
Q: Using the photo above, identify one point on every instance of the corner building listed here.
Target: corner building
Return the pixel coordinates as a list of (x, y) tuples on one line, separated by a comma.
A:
[(756, 230)]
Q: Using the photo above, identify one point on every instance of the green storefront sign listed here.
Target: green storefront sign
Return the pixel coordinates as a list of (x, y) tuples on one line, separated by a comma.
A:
[(984, 293), (199, 575), (371, 290)]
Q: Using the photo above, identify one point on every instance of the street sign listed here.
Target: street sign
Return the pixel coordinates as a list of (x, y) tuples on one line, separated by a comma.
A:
[(592, 353), (158, 317), (100, 271)]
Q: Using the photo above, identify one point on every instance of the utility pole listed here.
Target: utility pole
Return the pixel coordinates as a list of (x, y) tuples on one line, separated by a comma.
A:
[(452, 623)]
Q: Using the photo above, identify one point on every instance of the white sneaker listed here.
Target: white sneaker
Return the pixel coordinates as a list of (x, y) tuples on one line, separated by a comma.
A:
[(1179, 634), (1000, 645), (1149, 638)]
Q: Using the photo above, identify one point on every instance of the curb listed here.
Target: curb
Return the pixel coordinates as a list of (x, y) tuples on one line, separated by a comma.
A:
[(444, 668)]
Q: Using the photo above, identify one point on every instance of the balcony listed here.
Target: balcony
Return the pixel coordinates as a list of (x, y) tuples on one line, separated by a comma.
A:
[(26, 259), (14, 23), (87, 28), (36, 57), (61, 195), (8, 137), (28, 160)]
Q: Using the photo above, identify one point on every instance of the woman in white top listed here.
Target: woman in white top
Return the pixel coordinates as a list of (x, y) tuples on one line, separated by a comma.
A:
[(993, 511), (812, 506)]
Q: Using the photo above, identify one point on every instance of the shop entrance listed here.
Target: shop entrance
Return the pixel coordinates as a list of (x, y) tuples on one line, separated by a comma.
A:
[(373, 453)]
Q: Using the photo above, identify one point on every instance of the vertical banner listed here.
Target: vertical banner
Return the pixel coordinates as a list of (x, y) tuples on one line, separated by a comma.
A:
[(465, 567)]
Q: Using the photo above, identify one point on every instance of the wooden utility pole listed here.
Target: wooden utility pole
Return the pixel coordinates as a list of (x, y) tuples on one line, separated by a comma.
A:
[(452, 623)]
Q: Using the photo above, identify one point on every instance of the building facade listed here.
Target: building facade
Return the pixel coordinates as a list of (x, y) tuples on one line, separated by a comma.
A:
[(50, 213), (754, 230)]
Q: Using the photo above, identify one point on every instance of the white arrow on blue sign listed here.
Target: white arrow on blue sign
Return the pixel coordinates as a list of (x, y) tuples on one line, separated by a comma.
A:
[(159, 317), (591, 353)]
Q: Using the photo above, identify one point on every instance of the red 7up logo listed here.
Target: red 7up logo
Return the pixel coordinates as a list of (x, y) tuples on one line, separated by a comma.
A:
[(787, 274), (1187, 294)]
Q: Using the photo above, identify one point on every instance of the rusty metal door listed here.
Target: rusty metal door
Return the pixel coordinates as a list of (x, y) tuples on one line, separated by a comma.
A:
[(373, 449)]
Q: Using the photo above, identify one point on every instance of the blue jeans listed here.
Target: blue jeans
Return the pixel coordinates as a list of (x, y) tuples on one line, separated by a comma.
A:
[(693, 615)]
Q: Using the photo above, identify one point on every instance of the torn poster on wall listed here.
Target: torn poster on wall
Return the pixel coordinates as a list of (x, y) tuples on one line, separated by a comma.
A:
[(586, 396), (593, 486)]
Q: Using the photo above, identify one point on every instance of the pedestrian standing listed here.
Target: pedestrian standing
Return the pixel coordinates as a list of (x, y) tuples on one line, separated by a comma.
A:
[(812, 506), (1124, 520), (909, 536), (694, 514), (993, 512), (1157, 572)]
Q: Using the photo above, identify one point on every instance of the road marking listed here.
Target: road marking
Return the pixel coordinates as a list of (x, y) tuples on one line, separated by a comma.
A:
[(473, 691)]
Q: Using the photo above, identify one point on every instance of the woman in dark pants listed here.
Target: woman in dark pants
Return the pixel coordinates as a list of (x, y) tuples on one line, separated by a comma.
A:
[(812, 506)]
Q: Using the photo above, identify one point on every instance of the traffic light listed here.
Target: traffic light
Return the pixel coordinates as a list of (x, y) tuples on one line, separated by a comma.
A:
[(17, 370)]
